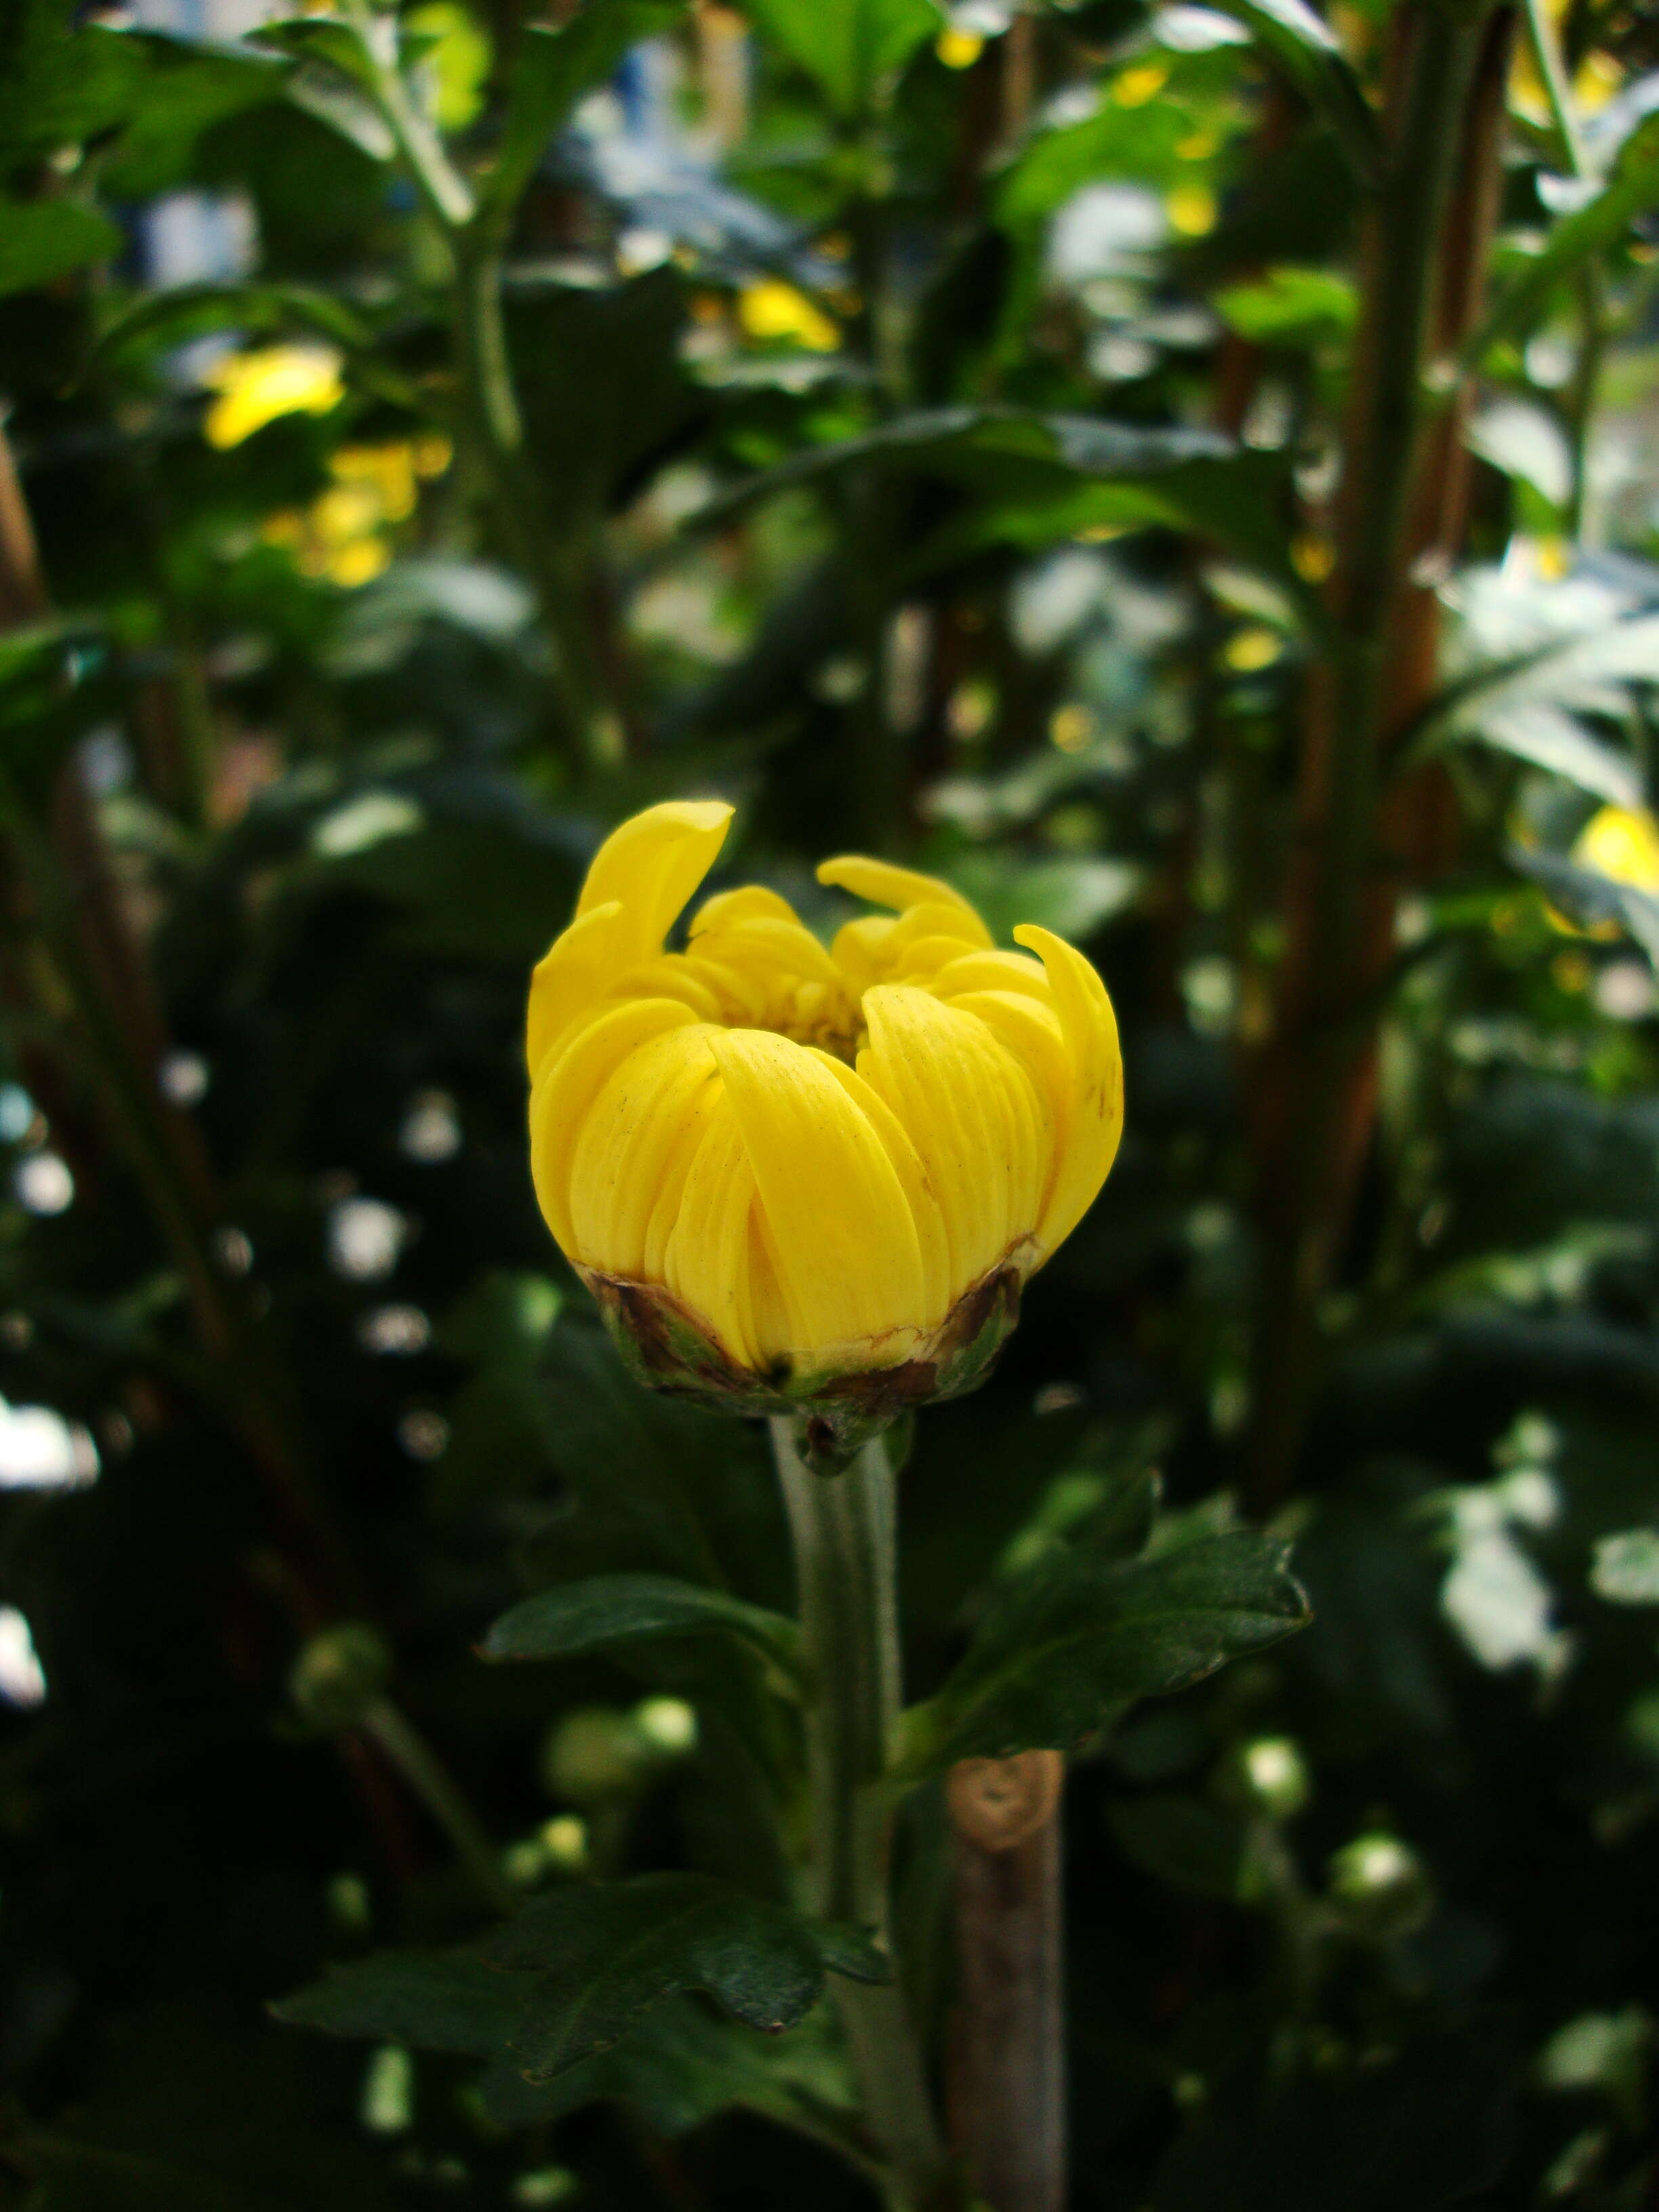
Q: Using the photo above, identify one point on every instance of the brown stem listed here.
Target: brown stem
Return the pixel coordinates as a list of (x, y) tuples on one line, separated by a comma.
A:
[(1007, 2059), (1400, 520)]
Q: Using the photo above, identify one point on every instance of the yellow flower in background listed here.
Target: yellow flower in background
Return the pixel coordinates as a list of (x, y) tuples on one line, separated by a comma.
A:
[(258, 387), (1622, 843), (783, 1167), (455, 65), (1192, 209), (776, 310), (342, 535), (958, 50)]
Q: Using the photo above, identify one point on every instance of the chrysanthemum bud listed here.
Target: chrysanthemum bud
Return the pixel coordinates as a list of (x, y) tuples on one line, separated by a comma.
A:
[(801, 1179)]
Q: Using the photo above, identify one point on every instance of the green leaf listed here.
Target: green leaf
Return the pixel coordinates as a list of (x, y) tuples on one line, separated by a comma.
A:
[(552, 71), (1185, 1841), (607, 1953), (44, 240), (1290, 307), (188, 85), (1631, 190), (430, 2000), (1591, 898), (183, 311), (1065, 1646), (1304, 48), (606, 1609), (1527, 703), (851, 47)]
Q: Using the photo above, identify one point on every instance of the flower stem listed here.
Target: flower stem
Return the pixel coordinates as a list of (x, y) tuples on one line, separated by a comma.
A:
[(842, 1528)]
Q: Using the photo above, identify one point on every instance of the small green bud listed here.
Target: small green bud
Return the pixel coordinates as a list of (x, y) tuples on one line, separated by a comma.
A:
[(1274, 1776), (339, 1674), (595, 1753), (1381, 1887)]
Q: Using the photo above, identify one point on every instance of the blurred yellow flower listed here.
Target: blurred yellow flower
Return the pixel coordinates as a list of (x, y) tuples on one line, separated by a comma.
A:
[(1253, 647), (255, 388), (776, 310), (1135, 87), (958, 50), (1621, 844), (1313, 557), (342, 535), (780, 1165), (455, 64), (1192, 209)]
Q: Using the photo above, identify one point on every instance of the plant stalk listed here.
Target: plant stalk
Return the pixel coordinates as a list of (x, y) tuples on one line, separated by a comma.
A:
[(1401, 516), (843, 1532), (1007, 2067)]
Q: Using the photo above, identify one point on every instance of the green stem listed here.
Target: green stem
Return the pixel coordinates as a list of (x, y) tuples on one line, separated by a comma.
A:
[(1580, 402), (842, 1527), (437, 1789), (489, 405)]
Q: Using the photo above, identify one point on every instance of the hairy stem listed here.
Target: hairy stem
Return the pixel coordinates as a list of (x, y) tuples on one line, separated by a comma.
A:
[(843, 1535)]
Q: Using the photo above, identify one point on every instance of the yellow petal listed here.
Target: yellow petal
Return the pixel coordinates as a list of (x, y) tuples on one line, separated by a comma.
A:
[(564, 1092), (972, 1113), (839, 1233), (706, 1263), (653, 863), (749, 902), (992, 971), (884, 884), (918, 1194), (1096, 1120), (570, 979), (636, 1145)]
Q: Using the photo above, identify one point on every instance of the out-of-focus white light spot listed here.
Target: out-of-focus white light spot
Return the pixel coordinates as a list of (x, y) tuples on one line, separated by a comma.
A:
[(388, 2098), (366, 821), (22, 1678), (234, 1249), (432, 1129), (423, 1435), (16, 1112), (16, 1331), (40, 1450), (1059, 1398), (564, 1839), (42, 1183), (1624, 991), (1498, 1602), (364, 1237), (667, 1724), (395, 1328), (549, 2185), (183, 1076)]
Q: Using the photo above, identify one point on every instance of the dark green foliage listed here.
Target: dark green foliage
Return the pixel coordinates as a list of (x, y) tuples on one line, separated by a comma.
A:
[(927, 449)]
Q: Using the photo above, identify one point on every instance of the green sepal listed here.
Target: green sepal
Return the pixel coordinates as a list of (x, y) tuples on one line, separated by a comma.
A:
[(836, 1412)]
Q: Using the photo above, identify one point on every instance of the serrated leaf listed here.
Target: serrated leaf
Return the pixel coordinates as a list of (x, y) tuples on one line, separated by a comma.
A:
[(607, 1609), (851, 47), (552, 71), (430, 2000), (607, 1953), (1078, 1638)]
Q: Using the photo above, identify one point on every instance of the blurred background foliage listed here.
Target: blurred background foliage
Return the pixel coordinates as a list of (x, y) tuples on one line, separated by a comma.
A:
[(963, 434)]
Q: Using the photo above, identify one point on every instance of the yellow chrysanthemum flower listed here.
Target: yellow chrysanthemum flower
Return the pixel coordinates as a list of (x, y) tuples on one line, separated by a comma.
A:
[(775, 310), (1623, 843), (809, 1177), (255, 388)]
